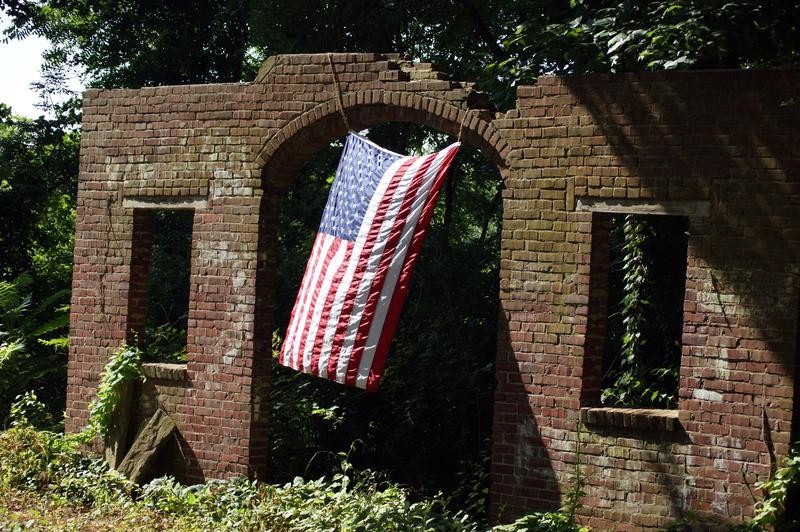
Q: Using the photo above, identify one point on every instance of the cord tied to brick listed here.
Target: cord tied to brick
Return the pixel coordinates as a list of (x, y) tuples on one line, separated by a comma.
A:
[(338, 93)]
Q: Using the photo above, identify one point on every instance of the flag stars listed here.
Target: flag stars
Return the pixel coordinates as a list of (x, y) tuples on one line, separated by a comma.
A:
[(356, 180)]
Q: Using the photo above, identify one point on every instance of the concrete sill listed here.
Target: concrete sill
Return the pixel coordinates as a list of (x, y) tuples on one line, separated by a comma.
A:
[(650, 419), (164, 371)]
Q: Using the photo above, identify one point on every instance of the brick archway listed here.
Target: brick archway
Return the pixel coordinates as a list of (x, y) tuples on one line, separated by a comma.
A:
[(284, 153)]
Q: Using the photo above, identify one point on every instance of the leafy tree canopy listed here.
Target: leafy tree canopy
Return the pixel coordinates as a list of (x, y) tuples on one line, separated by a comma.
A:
[(626, 36), (132, 43), (38, 176)]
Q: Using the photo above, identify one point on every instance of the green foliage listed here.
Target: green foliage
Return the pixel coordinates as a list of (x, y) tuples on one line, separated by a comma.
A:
[(164, 336), (38, 174), (170, 266), (339, 503), (300, 423), (771, 510), (543, 522), (669, 34), (52, 466), (27, 410), (576, 492), (624, 36), (31, 348), (51, 463), (165, 343), (123, 366), (471, 493), (133, 43), (10, 353), (38, 178)]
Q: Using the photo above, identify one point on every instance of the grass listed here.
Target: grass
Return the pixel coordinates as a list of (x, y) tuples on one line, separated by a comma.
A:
[(25, 510)]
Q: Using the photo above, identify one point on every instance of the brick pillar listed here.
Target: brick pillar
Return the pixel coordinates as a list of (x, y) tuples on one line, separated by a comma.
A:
[(224, 418), (598, 263), (141, 250)]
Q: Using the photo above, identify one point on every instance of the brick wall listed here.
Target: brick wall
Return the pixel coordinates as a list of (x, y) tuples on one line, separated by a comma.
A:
[(724, 139)]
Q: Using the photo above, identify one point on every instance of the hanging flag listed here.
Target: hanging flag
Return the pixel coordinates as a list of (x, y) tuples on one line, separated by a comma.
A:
[(358, 274)]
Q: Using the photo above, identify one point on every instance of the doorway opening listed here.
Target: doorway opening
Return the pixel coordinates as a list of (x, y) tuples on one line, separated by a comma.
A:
[(429, 425)]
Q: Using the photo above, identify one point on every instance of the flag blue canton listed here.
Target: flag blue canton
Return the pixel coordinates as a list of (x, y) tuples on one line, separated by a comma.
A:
[(360, 170)]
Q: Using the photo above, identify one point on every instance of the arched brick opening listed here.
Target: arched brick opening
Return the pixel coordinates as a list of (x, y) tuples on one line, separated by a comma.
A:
[(283, 156)]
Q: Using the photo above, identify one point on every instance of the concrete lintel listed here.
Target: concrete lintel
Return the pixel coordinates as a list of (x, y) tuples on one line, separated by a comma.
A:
[(143, 202), (700, 208)]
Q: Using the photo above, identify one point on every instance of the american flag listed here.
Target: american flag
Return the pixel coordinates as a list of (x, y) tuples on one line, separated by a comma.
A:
[(358, 274)]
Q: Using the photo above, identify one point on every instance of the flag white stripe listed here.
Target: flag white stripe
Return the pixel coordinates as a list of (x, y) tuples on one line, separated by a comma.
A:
[(396, 265), (371, 268), (291, 332), (326, 244), (330, 272)]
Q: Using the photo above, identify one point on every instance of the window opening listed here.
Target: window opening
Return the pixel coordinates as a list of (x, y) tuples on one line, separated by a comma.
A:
[(644, 321), (161, 334)]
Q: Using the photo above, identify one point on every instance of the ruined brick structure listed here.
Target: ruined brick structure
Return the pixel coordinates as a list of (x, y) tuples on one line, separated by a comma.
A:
[(721, 148)]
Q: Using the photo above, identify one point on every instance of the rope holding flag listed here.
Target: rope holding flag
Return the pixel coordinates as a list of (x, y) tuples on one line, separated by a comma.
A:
[(338, 92), (359, 271)]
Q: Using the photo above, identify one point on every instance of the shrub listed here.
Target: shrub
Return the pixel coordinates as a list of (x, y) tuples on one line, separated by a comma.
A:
[(51, 463), (771, 511), (51, 467), (125, 365), (335, 504), (28, 410)]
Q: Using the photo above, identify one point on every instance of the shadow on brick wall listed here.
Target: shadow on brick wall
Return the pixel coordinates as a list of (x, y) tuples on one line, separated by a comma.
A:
[(522, 475), (676, 136)]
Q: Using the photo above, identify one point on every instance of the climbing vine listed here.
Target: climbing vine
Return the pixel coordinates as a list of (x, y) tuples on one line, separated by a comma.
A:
[(771, 511), (644, 371)]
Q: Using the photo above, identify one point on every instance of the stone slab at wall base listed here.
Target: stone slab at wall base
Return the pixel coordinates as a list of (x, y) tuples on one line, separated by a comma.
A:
[(723, 145), (165, 388), (145, 447)]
